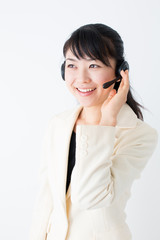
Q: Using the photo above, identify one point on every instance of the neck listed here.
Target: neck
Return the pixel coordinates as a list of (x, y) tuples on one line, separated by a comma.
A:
[(90, 115)]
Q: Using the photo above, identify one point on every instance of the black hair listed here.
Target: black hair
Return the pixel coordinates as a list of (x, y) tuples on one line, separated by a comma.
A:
[(99, 41)]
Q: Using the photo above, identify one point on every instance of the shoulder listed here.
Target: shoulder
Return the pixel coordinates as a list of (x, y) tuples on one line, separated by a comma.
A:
[(131, 129), (142, 130), (64, 115), (128, 119)]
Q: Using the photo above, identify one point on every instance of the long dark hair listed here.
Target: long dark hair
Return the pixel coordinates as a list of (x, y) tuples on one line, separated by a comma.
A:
[(99, 41)]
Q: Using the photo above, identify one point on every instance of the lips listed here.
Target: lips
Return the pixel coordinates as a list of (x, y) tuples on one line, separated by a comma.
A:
[(85, 94), (79, 89)]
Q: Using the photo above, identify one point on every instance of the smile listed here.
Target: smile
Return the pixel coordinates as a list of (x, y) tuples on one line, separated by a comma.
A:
[(85, 92)]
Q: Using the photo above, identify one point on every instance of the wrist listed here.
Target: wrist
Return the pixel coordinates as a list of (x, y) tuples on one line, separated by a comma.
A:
[(112, 122)]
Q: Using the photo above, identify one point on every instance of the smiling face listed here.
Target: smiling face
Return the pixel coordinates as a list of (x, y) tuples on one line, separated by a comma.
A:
[(88, 74)]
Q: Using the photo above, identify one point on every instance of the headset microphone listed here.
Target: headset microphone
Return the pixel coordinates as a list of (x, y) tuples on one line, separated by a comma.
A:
[(124, 66), (108, 84)]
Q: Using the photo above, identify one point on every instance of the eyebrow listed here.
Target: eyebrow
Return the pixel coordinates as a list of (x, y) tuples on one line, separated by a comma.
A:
[(87, 59)]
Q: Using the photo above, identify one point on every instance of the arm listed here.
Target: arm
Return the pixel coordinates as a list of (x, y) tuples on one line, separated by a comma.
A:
[(107, 166)]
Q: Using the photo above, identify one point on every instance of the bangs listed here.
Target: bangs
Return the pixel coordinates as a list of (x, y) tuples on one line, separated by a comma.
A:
[(90, 43)]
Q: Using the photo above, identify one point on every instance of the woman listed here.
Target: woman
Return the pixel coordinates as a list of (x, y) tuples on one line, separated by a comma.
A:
[(94, 152)]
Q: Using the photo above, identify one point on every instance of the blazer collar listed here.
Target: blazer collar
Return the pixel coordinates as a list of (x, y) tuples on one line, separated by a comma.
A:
[(125, 119)]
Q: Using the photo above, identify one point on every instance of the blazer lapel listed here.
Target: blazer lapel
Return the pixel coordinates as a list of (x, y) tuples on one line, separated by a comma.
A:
[(61, 143)]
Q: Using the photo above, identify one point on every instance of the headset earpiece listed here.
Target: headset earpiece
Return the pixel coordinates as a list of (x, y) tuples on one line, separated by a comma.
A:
[(63, 70), (124, 66)]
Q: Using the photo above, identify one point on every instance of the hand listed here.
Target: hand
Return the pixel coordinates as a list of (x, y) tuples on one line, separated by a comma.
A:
[(112, 105)]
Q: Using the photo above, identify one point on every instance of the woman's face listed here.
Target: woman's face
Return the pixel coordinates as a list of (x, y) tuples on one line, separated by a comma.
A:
[(85, 74)]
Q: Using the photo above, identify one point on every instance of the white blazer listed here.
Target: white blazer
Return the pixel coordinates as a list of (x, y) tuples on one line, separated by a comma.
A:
[(108, 160)]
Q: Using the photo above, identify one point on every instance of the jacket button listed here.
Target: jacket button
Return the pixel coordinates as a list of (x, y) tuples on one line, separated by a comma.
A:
[(83, 145), (84, 153), (84, 137)]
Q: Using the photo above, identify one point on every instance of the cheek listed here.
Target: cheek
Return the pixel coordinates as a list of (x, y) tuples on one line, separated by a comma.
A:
[(105, 92), (68, 76), (104, 77), (68, 80), (69, 85)]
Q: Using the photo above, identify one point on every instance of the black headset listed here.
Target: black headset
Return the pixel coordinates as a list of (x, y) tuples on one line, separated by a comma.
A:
[(63, 70), (124, 66)]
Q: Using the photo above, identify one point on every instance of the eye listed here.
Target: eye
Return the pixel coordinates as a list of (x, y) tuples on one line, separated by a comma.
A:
[(70, 66), (93, 66)]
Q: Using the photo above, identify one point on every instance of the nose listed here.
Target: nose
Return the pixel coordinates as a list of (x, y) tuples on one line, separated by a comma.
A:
[(82, 76)]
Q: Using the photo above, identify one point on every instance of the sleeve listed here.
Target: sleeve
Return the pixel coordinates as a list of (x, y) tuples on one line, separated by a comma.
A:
[(43, 205), (108, 161)]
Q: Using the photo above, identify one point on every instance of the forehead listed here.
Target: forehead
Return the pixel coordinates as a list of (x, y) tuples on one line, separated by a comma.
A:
[(70, 54)]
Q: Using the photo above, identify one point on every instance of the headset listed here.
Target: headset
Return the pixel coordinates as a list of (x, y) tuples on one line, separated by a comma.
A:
[(124, 66)]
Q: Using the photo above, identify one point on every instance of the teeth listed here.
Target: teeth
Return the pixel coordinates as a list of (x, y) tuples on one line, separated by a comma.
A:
[(85, 90)]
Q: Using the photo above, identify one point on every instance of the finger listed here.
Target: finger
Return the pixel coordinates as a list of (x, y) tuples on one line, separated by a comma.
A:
[(125, 76), (125, 80), (111, 95), (121, 85)]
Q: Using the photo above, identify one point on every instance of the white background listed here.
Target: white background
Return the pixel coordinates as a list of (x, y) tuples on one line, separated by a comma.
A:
[(32, 34)]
